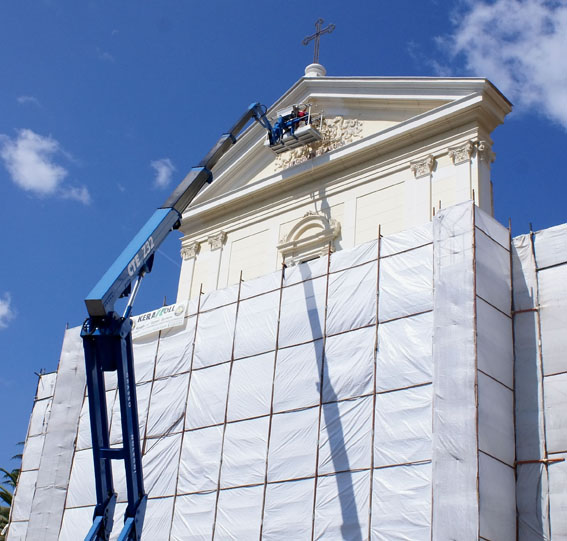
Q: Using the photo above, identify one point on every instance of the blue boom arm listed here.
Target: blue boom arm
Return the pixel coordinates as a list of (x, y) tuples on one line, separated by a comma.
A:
[(107, 342), (117, 280)]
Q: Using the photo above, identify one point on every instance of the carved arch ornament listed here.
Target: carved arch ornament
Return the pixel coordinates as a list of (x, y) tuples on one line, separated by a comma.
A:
[(309, 238)]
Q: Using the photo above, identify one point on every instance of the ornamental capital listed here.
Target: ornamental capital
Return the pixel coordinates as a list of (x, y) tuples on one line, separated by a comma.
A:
[(422, 167), (461, 153), (217, 240), (485, 152), (189, 251)]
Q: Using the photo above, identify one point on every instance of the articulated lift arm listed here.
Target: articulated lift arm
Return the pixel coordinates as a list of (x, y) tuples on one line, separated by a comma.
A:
[(107, 341)]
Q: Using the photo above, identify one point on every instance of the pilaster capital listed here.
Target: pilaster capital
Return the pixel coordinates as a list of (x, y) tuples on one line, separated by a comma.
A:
[(190, 250), (422, 167), (461, 153), (485, 152), (217, 240)]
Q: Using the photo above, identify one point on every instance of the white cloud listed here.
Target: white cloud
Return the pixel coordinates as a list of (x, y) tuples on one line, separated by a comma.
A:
[(23, 100), (79, 193), (6, 311), (164, 169), (520, 45), (30, 160), (105, 56)]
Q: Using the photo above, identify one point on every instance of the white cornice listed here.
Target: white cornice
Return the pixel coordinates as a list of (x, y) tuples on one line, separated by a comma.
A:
[(446, 97), (277, 202), (355, 92), (451, 115)]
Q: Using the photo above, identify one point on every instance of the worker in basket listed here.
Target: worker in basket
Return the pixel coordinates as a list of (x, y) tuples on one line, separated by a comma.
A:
[(288, 123)]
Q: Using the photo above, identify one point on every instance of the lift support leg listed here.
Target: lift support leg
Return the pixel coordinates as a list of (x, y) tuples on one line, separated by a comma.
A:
[(107, 343)]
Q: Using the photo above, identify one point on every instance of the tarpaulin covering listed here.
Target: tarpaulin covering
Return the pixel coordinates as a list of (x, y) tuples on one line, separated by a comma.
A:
[(540, 322), (364, 395)]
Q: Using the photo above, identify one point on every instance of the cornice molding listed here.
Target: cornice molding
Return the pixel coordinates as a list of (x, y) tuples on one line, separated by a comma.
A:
[(211, 216), (451, 99), (457, 115)]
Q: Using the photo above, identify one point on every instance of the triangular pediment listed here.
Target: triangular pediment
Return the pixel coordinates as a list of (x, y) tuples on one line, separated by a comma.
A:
[(361, 115)]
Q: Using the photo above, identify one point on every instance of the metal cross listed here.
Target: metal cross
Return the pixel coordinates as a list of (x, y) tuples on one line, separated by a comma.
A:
[(320, 31)]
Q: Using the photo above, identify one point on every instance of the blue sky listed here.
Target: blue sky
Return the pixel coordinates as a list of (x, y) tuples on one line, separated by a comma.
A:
[(105, 105)]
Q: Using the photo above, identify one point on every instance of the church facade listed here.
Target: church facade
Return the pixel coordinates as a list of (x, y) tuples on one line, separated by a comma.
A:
[(365, 353), (394, 152)]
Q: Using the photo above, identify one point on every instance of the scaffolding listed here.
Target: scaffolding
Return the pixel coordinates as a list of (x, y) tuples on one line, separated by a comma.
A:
[(361, 395)]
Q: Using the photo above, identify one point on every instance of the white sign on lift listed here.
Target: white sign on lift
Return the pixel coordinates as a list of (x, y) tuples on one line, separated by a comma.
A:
[(157, 320)]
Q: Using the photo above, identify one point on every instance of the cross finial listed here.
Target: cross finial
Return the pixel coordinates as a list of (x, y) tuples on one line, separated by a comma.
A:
[(318, 33)]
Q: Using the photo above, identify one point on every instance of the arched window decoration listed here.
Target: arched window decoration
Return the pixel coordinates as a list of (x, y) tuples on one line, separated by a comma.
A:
[(309, 238)]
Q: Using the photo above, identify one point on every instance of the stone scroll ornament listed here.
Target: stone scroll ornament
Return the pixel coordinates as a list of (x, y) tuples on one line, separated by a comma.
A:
[(336, 132)]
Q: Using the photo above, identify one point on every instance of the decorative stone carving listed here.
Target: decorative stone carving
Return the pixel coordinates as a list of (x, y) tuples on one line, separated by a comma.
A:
[(336, 132), (462, 153), (485, 152), (309, 238), (216, 241), (190, 250), (422, 167)]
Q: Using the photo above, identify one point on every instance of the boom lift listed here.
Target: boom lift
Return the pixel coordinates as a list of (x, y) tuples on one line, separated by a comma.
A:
[(295, 126), (107, 336)]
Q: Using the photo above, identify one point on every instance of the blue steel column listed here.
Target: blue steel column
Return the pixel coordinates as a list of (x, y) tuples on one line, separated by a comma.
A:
[(105, 496), (130, 434)]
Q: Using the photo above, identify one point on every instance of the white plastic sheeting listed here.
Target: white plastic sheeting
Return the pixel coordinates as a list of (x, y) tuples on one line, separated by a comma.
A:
[(289, 510), (552, 284), (497, 509), (550, 246), (341, 508), (406, 283), (298, 376), (202, 447), (194, 517), (401, 503), (271, 422), (558, 497), (403, 426), (244, 453), (239, 513), (293, 445), (349, 361), (369, 396), (454, 419), (55, 466), (495, 382), (540, 301), (408, 362), (473, 419), (33, 450)]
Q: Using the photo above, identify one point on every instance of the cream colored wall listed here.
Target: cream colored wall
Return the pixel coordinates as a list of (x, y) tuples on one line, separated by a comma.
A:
[(386, 191), (251, 256), (384, 207)]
